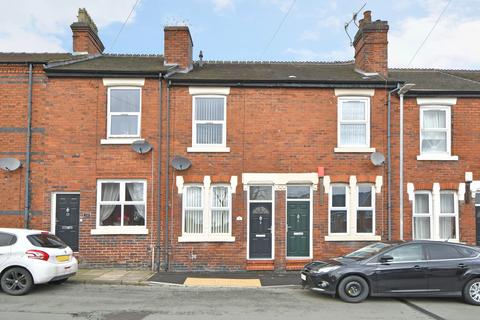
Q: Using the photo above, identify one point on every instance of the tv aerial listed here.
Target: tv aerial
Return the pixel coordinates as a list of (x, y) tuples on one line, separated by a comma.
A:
[(141, 146), (354, 20), (10, 164), (181, 163)]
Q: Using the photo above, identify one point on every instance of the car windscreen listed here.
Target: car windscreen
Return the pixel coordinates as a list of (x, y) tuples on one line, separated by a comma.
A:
[(368, 251), (46, 240)]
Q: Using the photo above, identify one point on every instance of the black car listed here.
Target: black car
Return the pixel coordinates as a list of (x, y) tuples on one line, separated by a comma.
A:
[(408, 269)]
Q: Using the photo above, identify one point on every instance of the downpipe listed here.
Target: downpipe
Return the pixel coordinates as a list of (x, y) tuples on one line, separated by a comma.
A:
[(26, 213)]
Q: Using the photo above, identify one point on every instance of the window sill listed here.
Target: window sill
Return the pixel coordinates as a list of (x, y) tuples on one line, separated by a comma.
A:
[(437, 157), (354, 150), (206, 238), (353, 237), (119, 230), (208, 149), (120, 140)]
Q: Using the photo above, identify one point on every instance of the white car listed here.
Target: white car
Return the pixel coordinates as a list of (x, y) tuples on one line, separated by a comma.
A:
[(29, 257)]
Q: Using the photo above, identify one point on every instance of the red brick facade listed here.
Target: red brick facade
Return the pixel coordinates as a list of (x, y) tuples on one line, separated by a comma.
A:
[(291, 130)]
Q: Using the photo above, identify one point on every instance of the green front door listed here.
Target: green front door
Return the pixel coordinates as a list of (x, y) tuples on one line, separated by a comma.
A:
[(298, 228)]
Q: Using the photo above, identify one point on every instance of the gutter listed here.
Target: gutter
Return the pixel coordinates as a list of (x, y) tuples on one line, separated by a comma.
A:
[(279, 84), (26, 213)]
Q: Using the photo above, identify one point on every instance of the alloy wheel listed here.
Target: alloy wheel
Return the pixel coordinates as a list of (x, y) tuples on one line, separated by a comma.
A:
[(475, 291)]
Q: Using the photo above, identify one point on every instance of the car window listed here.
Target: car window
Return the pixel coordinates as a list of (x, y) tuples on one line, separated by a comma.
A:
[(412, 252), (7, 239), (467, 252), (368, 251), (46, 240), (443, 251)]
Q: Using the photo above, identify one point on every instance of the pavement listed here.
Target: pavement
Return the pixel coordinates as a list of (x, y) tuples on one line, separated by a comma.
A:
[(192, 279)]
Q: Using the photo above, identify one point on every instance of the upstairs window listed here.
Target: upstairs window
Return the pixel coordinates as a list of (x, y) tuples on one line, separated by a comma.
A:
[(435, 130), (353, 122), (124, 112), (209, 121)]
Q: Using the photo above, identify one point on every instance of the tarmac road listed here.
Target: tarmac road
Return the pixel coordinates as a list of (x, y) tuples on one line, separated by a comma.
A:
[(120, 302)]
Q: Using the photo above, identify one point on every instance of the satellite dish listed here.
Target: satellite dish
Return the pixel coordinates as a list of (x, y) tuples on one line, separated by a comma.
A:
[(181, 163), (10, 164), (141, 146), (377, 158)]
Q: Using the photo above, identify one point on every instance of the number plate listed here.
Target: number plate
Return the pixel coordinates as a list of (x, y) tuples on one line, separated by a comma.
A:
[(63, 258), (304, 277)]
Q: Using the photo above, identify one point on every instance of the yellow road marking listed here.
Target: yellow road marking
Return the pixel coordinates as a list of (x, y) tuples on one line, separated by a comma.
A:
[(220, 282)]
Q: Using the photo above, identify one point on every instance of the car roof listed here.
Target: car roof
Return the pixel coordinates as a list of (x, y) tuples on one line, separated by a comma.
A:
[(18, 231)]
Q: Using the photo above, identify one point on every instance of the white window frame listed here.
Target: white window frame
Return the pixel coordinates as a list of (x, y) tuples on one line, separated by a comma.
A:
[(448, 130), (99, 230), (429, 215), (371, 208), (111, 113), (340, 121), (439, 214), (201, 146), (272, 201), (207, 235), (346, 208)]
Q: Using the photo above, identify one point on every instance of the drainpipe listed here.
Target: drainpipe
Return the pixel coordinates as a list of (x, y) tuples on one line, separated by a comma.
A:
[(167, 182), (404, 89), (389, 164), (26, 213), (159, 171)]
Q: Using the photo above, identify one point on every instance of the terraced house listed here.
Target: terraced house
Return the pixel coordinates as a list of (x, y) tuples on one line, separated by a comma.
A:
[(166, 162)]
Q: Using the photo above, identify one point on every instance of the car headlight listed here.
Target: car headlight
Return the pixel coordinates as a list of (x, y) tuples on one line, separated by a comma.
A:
[(326, 269)]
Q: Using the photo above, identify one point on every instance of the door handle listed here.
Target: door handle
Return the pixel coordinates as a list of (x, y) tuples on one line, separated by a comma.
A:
[(462, 266), (417, 267)]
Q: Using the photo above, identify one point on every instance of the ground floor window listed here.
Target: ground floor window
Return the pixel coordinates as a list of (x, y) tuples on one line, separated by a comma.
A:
[(207, 211), (121, 203), (435, 217)]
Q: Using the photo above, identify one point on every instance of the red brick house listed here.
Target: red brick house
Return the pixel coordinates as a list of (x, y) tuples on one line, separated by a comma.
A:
[(280, 152)]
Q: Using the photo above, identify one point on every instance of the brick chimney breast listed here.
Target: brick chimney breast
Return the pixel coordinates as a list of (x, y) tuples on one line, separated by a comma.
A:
[(178, 47), (85, 35), (371, 45)]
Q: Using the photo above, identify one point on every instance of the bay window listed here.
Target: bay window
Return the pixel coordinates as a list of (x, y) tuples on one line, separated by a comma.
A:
[(338, 203), (422, 215), (365, 209)]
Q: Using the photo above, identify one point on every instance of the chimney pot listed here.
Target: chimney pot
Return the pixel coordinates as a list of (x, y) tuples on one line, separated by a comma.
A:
[(367, 16), (85, 35)]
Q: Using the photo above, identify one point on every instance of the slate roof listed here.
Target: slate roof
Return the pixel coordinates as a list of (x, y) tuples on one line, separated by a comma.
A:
[(111, 64), (255, 72), (25, 57)]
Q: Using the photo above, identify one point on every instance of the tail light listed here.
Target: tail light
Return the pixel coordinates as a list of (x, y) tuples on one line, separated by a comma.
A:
[(37, 254)]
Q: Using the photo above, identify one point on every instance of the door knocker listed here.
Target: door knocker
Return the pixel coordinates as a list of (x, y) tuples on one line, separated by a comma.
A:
[(260, 219), (67, 212)]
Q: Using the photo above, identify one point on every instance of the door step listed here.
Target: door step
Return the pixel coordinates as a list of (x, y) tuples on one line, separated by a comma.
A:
[(293, 265), (260, 265)]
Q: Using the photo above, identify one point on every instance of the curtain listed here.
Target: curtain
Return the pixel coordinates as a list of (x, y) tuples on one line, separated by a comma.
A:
[(422, 203), (447, 203), (124, 100), (220, 210), (209, 133), (353, 134), (447, 228), (209, 109), (353, 110), (434, 141), (136, 194), (110, 192), (421, 227), (193, 210), (124, 125)]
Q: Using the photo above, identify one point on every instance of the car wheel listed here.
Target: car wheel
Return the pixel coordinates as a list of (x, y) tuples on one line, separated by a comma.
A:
[(16, 281), (471, 292), (58, 281), (353, 289)]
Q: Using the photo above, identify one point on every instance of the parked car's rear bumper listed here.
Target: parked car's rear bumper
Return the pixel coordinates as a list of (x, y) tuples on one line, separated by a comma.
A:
[(45, 271)]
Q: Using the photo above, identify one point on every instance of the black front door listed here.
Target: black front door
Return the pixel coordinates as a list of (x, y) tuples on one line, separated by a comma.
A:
[(260, 230), (67, 219), (406, 273)]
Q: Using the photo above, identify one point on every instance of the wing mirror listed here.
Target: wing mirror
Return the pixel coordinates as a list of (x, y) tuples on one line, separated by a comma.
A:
[(386, 258)]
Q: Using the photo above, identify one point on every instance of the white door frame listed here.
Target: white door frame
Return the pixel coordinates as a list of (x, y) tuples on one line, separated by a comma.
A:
[(310, 200), (272, 256)]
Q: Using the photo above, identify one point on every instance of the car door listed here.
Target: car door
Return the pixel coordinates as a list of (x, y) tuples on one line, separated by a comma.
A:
[(447, 265), (6, 241), (406, 272)]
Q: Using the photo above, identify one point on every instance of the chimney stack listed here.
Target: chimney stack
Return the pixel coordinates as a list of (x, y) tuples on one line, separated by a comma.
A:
[(178, 47), (371, 45), (85, 35)]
